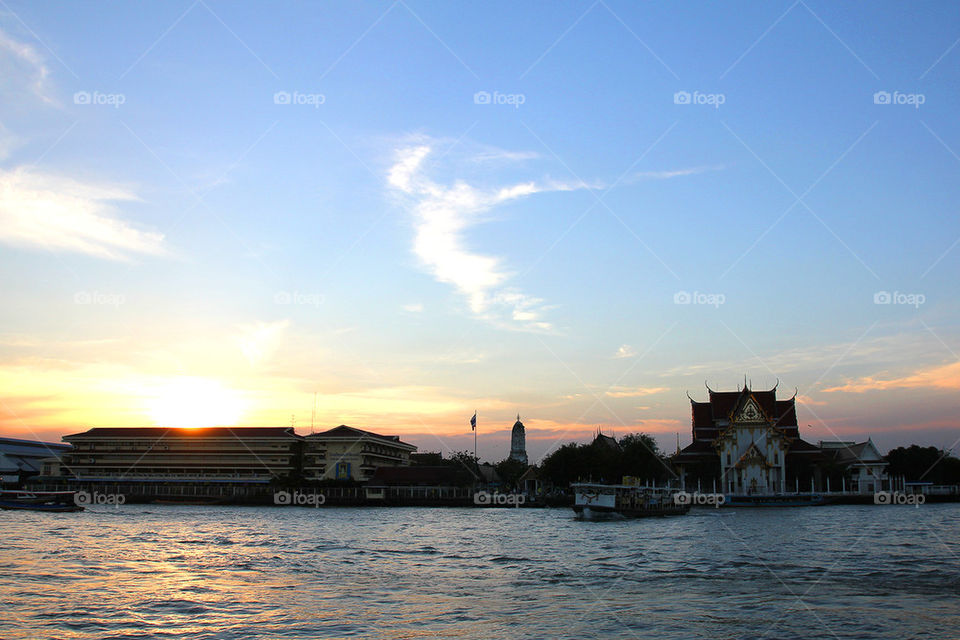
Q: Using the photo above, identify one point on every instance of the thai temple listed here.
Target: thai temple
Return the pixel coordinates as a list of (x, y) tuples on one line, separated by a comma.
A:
[(746, 441), (518, 442)]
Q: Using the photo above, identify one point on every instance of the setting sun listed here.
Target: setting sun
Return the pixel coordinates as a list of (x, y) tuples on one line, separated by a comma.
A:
[(192, 403)]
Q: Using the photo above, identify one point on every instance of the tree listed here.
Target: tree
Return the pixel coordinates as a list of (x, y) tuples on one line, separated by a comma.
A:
[(641, 457), (924, 464), (605, 460), (510, 471), (466, 460)]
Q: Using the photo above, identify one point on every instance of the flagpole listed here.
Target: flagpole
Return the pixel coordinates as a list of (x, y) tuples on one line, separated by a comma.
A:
[(476, 461)]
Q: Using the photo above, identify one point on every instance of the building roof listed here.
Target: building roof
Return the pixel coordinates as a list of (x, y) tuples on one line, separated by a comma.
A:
[(802, 446), (18, 456), (532, 473), (343, 431), (16, 446), (206, 432), (696, 451), (722, 405), (606, 441), (854, 452)]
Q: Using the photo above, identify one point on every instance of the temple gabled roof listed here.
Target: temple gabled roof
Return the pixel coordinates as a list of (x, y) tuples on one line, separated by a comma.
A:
[(696, 450), (721, 406), (606, 441)]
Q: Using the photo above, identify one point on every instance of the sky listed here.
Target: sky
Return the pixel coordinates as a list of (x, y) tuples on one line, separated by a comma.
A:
[(393, 214)]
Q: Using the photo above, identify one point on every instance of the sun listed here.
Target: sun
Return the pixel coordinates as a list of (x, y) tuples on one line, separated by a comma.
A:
[(192, 403)]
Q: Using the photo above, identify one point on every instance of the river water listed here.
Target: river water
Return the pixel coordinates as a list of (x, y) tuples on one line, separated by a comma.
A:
[(146, 571)]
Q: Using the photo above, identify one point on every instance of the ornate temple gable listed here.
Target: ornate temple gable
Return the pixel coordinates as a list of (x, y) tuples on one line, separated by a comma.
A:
[(726, 412), (750, 412), (738, 433), (753, 456)]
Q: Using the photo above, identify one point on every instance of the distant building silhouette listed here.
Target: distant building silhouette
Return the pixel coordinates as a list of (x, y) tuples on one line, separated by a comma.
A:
[(604, 440), (518, 442)]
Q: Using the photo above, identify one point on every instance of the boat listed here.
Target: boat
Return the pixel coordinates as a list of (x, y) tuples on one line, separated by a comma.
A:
[(595, 501), (53, 501)]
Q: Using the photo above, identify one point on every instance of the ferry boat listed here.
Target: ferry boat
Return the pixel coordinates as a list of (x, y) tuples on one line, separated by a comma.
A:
[(595, 501), (55, 501)]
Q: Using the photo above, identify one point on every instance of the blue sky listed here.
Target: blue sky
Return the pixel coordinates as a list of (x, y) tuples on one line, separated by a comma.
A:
[(267, 201)]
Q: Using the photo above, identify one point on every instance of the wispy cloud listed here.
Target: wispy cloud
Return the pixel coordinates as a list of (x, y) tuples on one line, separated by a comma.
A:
[(443, 213), (634, 392), (413, 307), (939, 377), (62, 214), (676, 173), (23, 65), (625, 351)]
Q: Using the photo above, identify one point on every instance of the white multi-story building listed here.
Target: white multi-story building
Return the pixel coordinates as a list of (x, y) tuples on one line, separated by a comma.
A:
[(346, 453)]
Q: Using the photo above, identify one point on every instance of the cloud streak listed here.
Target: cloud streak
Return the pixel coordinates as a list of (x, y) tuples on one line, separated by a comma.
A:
[(940, 377), (62, 214), (20, 62), (443, 213), (628, 392), (676, 173)]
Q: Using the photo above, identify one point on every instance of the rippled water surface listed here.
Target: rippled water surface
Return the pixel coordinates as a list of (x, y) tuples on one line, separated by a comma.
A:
[(245, 572)]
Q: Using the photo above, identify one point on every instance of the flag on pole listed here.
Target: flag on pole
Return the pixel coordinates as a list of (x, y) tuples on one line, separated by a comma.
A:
[(473, 422)]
